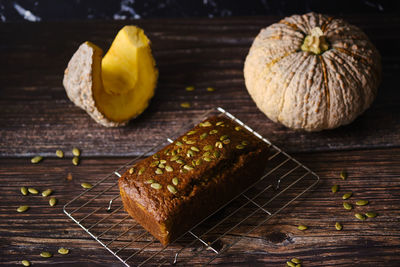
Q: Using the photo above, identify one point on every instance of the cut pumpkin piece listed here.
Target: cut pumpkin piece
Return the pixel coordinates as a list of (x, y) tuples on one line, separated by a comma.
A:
[(118, 87)]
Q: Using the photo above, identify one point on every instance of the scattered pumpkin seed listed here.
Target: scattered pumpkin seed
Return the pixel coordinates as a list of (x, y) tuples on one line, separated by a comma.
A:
[(154, 163), (130, 170), (173, 158), (238, 128), (338, 226), (219, 123), (296, 260), (188, 167), (156, 186), (195, 149), (141, 171), (86, 185), (33, 191), (163, 161), (175, 181), (166, 152), (26, 263), (360, 216), (185, 138), (208, 159), (173, 153), (226, 141), (245, 143), (343, 175), (46, 254), (190, 142), (210, 89), (207, 147), (36, 159), (191, 132), (75, 161), (216, 154), (298, 265), (361, 202), (347, 206), (53, 201), (207, 154), (156, 156), (203, 135), (219, 144), (150, 181), (198, 161), (59, 153), (347, 195), (185, 105), (302, 227), (335, 188), (178, 143), (179, 150), (371, 214), (158, 171), (161, 166), (76, 152), (189, 88), (190, 153), (171, 189), (205, 124), (24, 190), (291, 264), (213, 131), (47, 192), (240, 146), (168, 168), (179, 161), (22, 208), (63, 251)]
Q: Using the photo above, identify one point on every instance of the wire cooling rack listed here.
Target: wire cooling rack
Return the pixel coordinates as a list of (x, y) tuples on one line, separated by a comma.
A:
[(99, 211)]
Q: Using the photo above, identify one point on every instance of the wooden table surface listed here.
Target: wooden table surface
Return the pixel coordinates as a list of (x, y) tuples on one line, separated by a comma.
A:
[(37, 118)]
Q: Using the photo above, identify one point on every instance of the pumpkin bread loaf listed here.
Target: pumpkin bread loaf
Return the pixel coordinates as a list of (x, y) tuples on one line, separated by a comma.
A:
[(174, 189)]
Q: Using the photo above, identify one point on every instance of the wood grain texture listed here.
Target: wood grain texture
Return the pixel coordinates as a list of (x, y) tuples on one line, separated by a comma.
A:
[(373, 175), (36, 115)]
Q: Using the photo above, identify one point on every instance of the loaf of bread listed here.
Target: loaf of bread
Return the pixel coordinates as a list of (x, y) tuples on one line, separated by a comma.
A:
[(174, 189)]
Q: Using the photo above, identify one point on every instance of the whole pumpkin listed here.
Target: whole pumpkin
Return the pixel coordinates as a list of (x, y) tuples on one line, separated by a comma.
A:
[(312, 72)]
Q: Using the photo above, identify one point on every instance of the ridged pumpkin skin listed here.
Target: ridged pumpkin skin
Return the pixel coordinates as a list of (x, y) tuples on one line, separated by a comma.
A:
[(311, 91)]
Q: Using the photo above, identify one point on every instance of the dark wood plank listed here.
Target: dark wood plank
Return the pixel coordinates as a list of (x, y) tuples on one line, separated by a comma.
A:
[(36, 115), (373, 175)]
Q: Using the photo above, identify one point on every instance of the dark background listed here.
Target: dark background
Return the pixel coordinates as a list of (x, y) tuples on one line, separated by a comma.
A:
[(55, 10)]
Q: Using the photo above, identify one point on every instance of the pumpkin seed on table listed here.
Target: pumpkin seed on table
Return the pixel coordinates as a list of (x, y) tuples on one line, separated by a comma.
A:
[(213, 131), (347, 195), (158, 171), (47, 192), (175, 181), (154, 163), (46, 254), (26, 263), (302, 227), (335, 188), (36, 159), (190, 142), (171, 189), (296, 260), (53, 201), (195, 149), (371, 214), (291, 264), (131, 171), (24, 190), (76, 152), (360, 216), (33, 191), (75, 161), (141, 170), (168, 168), (59, 153), (218, 144), (63, 251), (347, 206), (189, 88), (150, 181), (343, 175), (185, 105), (238, 128), (86, 185), (240, 146), (361, 202), (338, 226), (161, 166), (187, 167), (226, 141), (207, 147), (191, 132), (205, 124), (156, 186), (210, 89), (23, 208), (203, 135)]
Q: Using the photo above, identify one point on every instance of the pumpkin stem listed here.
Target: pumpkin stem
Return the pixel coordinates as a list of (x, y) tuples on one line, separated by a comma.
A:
[(315, 42)]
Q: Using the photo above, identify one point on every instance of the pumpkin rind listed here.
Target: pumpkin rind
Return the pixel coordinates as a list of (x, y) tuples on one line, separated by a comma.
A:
[(303, 90)]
